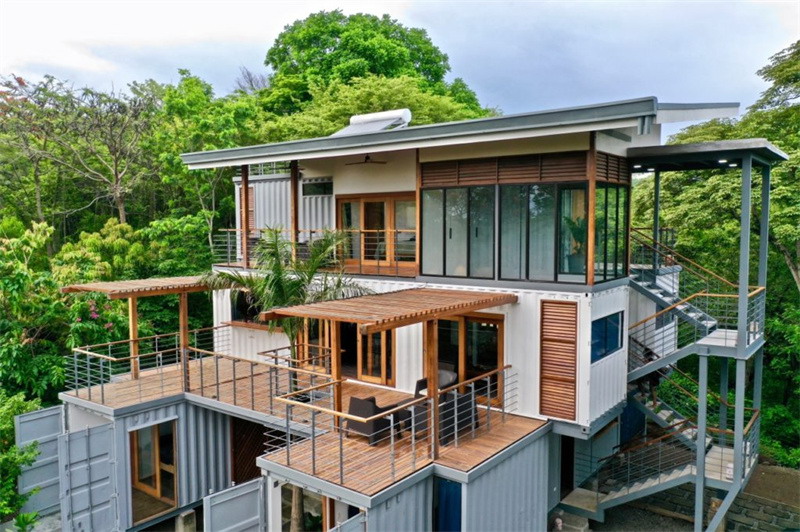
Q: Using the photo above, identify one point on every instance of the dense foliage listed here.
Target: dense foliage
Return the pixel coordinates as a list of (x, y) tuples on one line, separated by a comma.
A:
[(704, 208), (13, 458)]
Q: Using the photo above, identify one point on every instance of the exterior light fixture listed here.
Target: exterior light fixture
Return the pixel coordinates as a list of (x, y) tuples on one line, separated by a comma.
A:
[(651, 169), (723, 161), (637, 166), (732, 165)]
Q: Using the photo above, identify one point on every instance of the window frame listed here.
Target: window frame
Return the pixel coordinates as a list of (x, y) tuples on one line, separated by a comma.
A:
[(597, 357)]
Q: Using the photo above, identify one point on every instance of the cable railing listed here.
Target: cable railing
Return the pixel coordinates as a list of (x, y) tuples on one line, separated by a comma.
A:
[(364, 251), (370, 446)]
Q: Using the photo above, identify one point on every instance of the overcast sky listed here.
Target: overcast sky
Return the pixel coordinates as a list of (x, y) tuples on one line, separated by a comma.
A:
[(518, 56)]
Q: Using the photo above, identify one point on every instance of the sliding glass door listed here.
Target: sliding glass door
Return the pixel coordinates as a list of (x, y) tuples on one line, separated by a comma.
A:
[(381, 230)]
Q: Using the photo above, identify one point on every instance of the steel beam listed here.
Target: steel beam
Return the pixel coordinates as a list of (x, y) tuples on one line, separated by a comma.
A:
[(763, 235), (700, 437), (744, 254), (738, 423)]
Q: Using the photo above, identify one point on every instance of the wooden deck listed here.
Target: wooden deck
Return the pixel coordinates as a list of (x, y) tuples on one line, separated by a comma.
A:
[(367, 469)]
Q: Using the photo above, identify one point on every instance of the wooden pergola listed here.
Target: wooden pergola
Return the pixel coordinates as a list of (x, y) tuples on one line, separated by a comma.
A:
[(134, 289), (390, 310)]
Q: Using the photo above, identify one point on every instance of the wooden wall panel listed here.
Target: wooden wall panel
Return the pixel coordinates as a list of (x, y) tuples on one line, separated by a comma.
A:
[(251, 206), (568, 166), (559, 359)]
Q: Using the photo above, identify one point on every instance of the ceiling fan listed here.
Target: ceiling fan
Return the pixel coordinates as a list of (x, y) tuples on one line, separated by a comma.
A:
[(367, 160)]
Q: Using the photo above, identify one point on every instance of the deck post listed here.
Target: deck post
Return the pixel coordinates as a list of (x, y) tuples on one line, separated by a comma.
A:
[(656, 211), (432, 363), (183, 326), (763, 238), (244, 205), (744, 259), (336, 367), (738, 423), (700, 444), (133, 333)]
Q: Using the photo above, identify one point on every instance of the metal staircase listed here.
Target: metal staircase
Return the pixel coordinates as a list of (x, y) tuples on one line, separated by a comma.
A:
[(694, 308)]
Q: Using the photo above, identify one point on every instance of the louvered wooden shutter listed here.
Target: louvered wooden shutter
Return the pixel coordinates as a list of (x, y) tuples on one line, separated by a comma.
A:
[(559, 354), (567, 166), (612, 168), (251, 206)]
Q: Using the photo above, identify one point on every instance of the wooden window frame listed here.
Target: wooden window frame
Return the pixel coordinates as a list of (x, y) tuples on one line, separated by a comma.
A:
[(157, 467), (383, 379), (499, 320), (389, 200)]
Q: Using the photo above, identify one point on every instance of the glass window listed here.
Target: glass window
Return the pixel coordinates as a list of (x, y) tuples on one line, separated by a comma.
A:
[(405, 223), (432, 232), (513, 231), (542, 212), (572, 239), (481, 232), (318, 189), (455, 207), (351, 222), (606, 335), (611, 237)]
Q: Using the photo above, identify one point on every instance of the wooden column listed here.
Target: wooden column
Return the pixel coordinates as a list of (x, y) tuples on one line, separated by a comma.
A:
[(294, 178), (336, 366), (133, 332), (431, 356), (244, 206), (183, 336), (591, 175)]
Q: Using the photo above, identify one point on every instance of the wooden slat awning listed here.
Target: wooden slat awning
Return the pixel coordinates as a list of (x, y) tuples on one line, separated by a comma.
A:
[(141, 287), (389, 310)]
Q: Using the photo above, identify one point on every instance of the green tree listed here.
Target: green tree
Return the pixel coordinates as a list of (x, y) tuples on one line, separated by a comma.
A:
[(331, 107), (13, 458), (330, 45)]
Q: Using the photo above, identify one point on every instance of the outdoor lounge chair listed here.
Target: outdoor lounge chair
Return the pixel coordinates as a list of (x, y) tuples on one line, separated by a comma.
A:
[(373, 430)]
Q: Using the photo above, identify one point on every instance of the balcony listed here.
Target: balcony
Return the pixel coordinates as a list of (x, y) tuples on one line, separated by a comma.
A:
[(367, 453), (391, 253)]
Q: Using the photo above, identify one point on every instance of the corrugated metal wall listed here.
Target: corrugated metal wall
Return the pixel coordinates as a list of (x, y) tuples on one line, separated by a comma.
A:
[(411, 510), (241, 508), (203, 451), (247, 343), (511, 496), (273, 206)]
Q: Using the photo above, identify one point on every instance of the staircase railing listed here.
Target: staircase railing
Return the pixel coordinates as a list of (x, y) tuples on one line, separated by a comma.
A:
[(647, 256)]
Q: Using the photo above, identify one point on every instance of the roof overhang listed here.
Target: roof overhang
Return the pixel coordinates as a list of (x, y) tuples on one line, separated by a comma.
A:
[(638, 113), (723, 154), (389, 310), (141, 287)]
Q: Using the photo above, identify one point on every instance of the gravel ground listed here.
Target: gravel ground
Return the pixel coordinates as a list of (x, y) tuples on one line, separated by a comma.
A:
[(629, 519)]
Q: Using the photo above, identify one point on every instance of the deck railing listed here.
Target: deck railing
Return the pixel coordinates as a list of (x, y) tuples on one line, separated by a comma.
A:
[(122, 372), (365, 252), (367, 453)]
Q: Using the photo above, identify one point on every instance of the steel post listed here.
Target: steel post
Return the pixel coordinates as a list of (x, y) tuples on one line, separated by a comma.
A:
[(738, 422), (744, 256), (700, 443), (763, 238)]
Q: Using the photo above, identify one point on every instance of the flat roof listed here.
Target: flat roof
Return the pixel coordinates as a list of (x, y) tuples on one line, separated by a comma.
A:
[(141, 287), (704, 155), (389, 310), (626, 113)]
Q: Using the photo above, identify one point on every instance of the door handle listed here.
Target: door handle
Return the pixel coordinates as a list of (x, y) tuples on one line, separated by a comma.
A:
[(451, 233)]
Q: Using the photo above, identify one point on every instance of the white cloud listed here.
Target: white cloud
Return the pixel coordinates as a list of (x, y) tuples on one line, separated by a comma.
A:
[(63, 34)]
